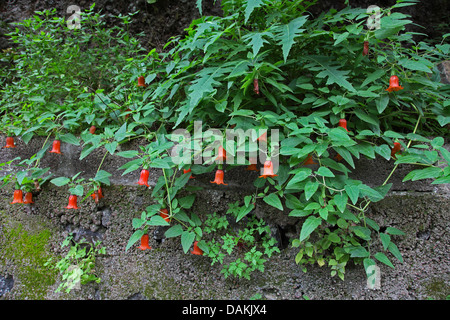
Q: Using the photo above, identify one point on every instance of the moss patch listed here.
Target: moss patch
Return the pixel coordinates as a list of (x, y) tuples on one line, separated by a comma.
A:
[(28, 252), (437, 289)]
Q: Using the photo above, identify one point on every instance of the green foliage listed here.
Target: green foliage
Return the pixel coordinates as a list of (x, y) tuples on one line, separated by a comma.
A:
[(78, 266), (311, 73)]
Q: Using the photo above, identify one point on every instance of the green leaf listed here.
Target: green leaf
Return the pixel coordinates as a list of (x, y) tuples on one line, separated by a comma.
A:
[(111, 147), (157, 221), (273, 200), (373, 76), (250, 6), (330, 71), (414, 65), (70, 138), (380, 256), (288, 32), (395, 252), (187, 202), (128, 154), (394, 231), (103, 177), (325, 172), (134, 237), (340, 200), (187, 239), (174, 231), (61, 181), (352, 192), (310, 188), (299, 176), (385, 240), (310, 224), (362, 232), (256, 42)]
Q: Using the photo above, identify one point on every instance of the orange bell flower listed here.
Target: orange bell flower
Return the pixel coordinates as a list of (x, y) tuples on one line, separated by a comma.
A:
[(393, 84), (343, 124), (219, 177), (397, 147), (72, 202), (141, 81), (92, 129), (268, 170), (56, 147), (164, 213), (18, 195), (97, 195), (28, 198), (309, 160), (188, 170), (143, 179), (9, 142), (144, 243), (197, 250), (366, 48)]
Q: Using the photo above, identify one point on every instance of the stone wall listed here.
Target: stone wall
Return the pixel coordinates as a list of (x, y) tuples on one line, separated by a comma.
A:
[(30, 234)]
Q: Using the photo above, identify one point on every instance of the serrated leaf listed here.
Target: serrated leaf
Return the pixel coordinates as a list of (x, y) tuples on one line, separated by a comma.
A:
[(103, 177), (70, 138), (61, 181), (385, 240), (187, 239), (325, 172), (174, 231), (250, 6), (310, 188), (395, 252), (288, 32), (394, 231)]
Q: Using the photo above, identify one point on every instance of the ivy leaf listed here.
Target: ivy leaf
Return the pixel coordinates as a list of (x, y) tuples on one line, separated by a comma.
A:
[(288, 32)]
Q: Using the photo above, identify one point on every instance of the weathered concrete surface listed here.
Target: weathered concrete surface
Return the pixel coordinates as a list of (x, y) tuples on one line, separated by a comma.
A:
[(165, 272)]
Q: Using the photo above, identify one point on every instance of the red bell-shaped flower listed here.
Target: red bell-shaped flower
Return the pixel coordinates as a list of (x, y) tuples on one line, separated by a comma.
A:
[(164, 213), (18, 195), (92, 129), (9, 142), (188, 170), (141, 81), (393, 84), (268, 170), (309, 160), (143, 179), (97, 195), (144, 243), (72, 202), (219, 177), (397, 147), (221, 155), (343, 124), (28, 198), (255, 86), (56, 147), (197, 250), (366, 48), (263, 137)]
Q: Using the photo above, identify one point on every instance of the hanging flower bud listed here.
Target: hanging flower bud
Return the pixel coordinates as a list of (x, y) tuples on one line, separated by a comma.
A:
[(187, 171), (72, 202), (144, 243), (28, 198), (141, 81), (143, 179), (397, 147), (18, 195), (164, 213), (56, 147), (268, 170), (222, 154), (97, 195), (197, 250), (256, 86), (309, 160), (127, 115), (9, 142), (366, 48), (92, 129), (393, 84), (219, 177)]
